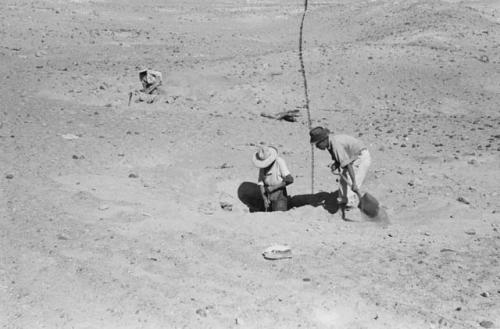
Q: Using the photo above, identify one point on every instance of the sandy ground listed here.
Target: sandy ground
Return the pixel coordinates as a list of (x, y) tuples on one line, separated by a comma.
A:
[(112, 217)]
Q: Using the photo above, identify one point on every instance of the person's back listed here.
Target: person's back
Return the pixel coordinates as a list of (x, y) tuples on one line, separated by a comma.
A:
[(345, 148)]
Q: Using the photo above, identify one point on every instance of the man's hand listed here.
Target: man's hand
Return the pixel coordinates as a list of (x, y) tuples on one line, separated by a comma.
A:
[(334, 168)]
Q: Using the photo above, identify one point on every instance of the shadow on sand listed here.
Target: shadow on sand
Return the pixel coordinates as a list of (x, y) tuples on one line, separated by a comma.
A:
[(249, 194), (323, 199)]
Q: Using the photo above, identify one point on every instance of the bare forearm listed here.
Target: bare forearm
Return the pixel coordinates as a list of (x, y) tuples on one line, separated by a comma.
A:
[(287, 181), (262, 191), (350, 170)]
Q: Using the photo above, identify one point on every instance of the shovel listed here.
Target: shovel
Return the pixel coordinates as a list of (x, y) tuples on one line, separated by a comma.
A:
[(367, 202)]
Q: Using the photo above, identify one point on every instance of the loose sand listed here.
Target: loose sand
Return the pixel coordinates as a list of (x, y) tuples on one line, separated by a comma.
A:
[(121, 226)]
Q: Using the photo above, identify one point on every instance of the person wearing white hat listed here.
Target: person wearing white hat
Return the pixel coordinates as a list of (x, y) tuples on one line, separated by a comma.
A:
[(274, 177)]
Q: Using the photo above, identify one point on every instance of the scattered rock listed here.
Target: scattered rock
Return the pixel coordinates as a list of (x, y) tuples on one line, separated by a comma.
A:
[(132, 175), (103, 207), (226, 206), (224, 166), (484, 59), (201, 312), (486, 324), (463, 200), (40, 53), (70, 136), (170, 99), (472, 161), (9, 176), (470, 232), (290, 116), (485, 294), (277, 251)]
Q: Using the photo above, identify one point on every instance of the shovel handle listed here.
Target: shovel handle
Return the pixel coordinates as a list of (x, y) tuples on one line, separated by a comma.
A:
[(349, 183)]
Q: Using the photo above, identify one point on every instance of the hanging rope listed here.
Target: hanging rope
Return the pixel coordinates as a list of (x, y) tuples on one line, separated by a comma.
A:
[(306, 93)]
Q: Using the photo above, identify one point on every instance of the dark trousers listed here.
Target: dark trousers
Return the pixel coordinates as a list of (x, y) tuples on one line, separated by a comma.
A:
[(279, 200)]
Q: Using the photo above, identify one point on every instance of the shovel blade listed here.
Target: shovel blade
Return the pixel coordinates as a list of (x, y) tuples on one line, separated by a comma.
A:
[(369, 205)]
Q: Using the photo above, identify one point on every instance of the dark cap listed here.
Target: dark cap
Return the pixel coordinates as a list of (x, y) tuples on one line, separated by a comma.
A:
[(318, 134)]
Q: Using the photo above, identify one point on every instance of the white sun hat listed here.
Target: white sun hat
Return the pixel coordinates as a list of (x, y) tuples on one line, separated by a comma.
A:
[(265, 156)]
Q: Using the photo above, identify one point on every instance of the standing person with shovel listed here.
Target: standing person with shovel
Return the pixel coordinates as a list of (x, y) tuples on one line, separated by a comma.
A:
[(274, 176), (351, 159)]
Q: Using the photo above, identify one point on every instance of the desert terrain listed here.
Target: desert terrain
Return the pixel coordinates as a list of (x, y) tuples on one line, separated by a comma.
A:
[(118, 215)]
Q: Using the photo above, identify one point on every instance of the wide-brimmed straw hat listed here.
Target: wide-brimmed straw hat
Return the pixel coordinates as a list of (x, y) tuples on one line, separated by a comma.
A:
[(265, 156), (318, 134)]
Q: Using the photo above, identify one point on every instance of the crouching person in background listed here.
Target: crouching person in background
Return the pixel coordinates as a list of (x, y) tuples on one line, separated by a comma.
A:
[(274, 176)]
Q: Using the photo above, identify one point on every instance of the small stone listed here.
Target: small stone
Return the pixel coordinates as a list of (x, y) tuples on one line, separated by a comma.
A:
[(9, 176), (132, 175), (226, 206), (486, 324), (463, 200), (224, 166), (201, 312), (485, 294), (103, 207), (484, 59), (70, 136), (40, 53), (470, 232)]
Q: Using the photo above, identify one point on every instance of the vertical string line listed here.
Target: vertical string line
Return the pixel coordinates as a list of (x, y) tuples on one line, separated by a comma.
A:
[(306, 92)]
